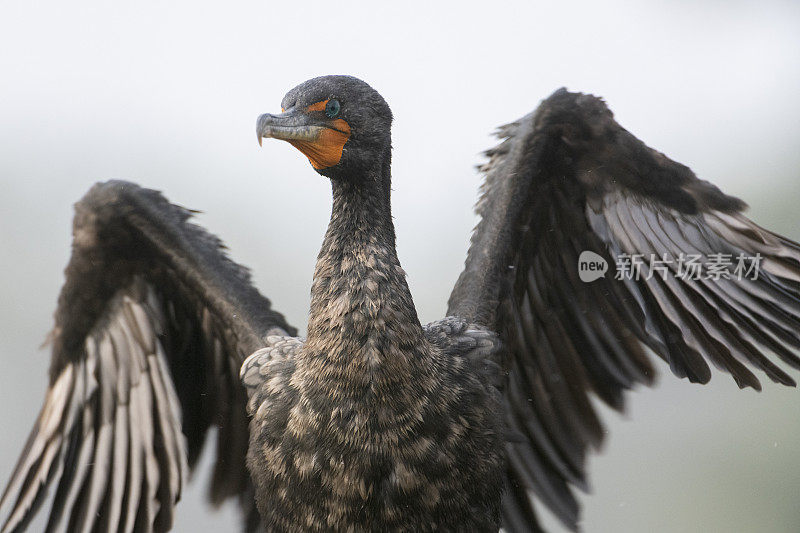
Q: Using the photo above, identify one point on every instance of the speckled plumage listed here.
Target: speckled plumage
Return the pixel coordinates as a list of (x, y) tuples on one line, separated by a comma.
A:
[(373, 422), (339, 458)]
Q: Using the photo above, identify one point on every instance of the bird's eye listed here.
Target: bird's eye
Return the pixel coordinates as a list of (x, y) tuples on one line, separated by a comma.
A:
[(332, 108)]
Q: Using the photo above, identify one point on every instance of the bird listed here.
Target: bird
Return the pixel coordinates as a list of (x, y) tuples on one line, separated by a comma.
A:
[(592, 249)]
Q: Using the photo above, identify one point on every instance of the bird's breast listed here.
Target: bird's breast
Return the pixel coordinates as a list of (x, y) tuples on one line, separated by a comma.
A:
[(339, 448)]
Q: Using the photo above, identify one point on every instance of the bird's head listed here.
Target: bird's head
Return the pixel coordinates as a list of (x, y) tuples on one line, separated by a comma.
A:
[(340, 123)]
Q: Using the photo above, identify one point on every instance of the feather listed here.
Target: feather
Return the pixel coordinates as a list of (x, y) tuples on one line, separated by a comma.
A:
[(565, 180), (111, 437)]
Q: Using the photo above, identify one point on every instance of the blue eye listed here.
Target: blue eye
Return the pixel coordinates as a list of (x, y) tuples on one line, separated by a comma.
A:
[(332, 108)]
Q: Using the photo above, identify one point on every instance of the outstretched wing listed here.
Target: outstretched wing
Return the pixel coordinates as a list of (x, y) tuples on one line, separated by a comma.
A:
[(568, 185), (152, 326)]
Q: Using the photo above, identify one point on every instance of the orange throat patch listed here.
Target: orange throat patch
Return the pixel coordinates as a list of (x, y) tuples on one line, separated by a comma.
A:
[(326, 150)]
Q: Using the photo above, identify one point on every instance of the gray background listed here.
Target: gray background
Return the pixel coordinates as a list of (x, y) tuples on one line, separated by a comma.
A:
[(166, 94)]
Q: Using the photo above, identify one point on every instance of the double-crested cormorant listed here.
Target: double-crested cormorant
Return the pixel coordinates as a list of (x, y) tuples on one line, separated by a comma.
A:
[(374, 421)]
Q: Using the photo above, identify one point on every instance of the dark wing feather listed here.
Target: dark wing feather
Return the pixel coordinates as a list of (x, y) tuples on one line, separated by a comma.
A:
[(152, 326), (568, 179)]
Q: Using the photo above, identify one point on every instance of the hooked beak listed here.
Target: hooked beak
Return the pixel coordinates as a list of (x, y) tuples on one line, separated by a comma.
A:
[(291, 125), (320, 139)]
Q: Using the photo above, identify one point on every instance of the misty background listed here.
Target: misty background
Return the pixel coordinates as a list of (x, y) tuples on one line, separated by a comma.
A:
[(166, 94)]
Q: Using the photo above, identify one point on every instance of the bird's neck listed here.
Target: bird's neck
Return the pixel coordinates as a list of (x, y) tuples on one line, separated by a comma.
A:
[(363, 327)]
